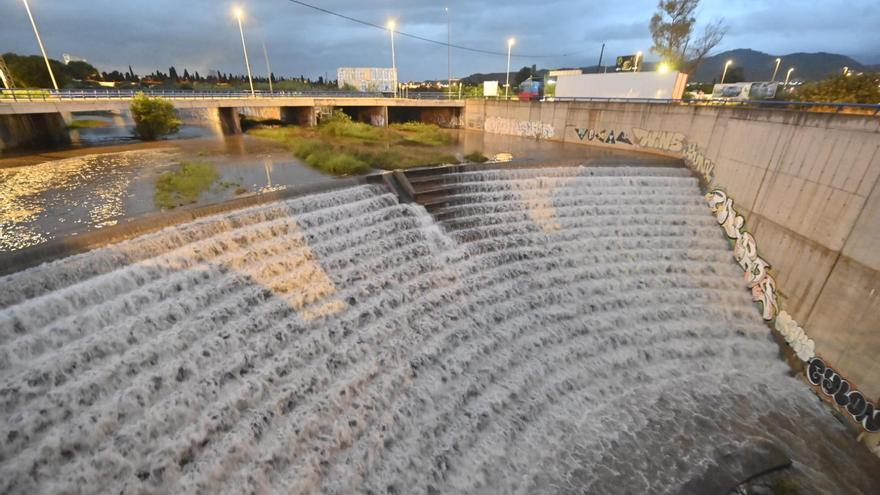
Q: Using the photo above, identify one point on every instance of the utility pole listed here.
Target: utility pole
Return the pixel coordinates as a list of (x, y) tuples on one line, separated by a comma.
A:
[(601, 53)]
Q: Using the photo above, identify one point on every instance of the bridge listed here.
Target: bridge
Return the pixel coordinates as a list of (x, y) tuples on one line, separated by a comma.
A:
[(29, 117)]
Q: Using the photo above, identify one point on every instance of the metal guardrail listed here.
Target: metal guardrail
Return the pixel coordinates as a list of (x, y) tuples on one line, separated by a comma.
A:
[(47, 95)]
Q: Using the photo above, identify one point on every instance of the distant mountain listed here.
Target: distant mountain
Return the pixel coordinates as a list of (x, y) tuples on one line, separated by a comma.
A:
[(756, 66)]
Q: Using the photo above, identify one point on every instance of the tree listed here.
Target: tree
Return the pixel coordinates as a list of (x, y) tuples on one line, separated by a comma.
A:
[(522, 75), (672, 28), (861, 88), (29, 71), (82, 71), (172, 74), (153, 117)]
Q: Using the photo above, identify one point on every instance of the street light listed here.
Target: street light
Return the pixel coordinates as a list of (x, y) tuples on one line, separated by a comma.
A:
[(638, 58), (40, 42), (238, 15), (510, 43), (391, 26), (663, 68), (268, 67), (449, 50), (787, 76), (778, 61), (724, 74)]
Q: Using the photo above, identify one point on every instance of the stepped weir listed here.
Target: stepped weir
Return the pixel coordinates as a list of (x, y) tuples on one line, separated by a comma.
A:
[(552, 330)]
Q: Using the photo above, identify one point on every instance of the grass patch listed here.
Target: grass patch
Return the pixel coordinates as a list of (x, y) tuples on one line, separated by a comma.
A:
[(476, 157), (340, 146), (87, 124), (424, 134), (184, 185)]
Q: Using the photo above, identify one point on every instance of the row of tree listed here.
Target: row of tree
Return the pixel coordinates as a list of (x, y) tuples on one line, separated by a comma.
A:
[(29, 71)]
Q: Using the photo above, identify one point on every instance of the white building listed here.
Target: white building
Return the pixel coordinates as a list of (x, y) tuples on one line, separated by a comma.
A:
[(370, 79)]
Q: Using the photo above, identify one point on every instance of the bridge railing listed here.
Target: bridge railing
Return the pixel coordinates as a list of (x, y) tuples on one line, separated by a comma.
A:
[(48, 95)]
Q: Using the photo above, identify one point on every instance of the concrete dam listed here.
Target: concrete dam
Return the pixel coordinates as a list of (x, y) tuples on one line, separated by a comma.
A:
[(552, 330)]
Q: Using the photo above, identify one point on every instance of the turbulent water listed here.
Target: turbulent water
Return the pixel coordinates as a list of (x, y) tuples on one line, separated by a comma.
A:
[(562, 330)]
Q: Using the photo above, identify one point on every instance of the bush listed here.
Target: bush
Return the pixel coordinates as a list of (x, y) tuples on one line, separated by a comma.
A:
[(860, 88), (476, 157), (153, 117), (341, 125)]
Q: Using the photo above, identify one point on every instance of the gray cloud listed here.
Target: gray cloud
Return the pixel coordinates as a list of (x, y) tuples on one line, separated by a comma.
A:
[(202, 34)]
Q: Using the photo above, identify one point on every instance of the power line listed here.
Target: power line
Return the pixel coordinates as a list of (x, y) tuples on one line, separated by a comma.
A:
[(428, 40)]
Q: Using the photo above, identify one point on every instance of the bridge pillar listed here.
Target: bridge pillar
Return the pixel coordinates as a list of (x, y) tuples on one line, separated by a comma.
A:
[(377, 116), (304, 116), (32, 130), (229, 121)]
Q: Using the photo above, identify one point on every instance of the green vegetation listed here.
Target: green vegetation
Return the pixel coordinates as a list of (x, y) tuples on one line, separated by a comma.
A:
[(856, 88), (86, 123), (341, 146), (153, 117), (476, 157), (185, 185), (424, 134)]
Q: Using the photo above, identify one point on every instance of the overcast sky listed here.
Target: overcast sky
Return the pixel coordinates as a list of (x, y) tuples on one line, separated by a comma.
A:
[(202, 34)]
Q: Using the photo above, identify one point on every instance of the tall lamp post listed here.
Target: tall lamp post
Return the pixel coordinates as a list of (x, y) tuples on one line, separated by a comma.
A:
[(391, 26), (510, 43), (638, 61), (778, 61), (268, 67), (787, 76), (449, 51), (238, 15), (40, 42), (724, 74)]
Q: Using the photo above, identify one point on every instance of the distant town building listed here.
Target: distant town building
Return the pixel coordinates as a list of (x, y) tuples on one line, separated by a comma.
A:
[(370, 79)]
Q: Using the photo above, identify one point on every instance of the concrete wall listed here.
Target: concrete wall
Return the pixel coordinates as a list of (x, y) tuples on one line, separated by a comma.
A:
[(29, 130), (806, 183)]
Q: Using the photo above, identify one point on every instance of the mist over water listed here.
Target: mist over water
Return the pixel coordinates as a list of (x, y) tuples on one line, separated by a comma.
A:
[(561, 330)]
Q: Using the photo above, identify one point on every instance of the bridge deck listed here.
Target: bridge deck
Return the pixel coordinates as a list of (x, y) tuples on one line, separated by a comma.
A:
[(55, 104)]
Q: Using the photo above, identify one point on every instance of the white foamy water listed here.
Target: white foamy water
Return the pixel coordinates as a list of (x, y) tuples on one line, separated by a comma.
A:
[(562, 330)]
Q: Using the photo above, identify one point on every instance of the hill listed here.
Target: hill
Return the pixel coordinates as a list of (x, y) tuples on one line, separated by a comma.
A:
[(757, 66)]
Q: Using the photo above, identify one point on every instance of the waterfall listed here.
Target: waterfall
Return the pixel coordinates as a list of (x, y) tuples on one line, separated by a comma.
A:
[(542, 331)]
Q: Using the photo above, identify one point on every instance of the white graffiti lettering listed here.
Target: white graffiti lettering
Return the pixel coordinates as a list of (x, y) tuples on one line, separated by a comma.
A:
[(660, 140), (834, 385), (745, 251), (524, 128), (603, 136), (675, 142), (802, 345)]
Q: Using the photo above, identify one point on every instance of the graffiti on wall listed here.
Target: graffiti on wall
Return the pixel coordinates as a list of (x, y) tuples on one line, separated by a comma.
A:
[(763, 287), (756, 270), (522, 128), (603, 136), (843, 394), (675, 142)]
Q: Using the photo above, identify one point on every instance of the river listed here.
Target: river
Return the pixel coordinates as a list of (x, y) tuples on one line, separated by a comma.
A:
[(107, 176)]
